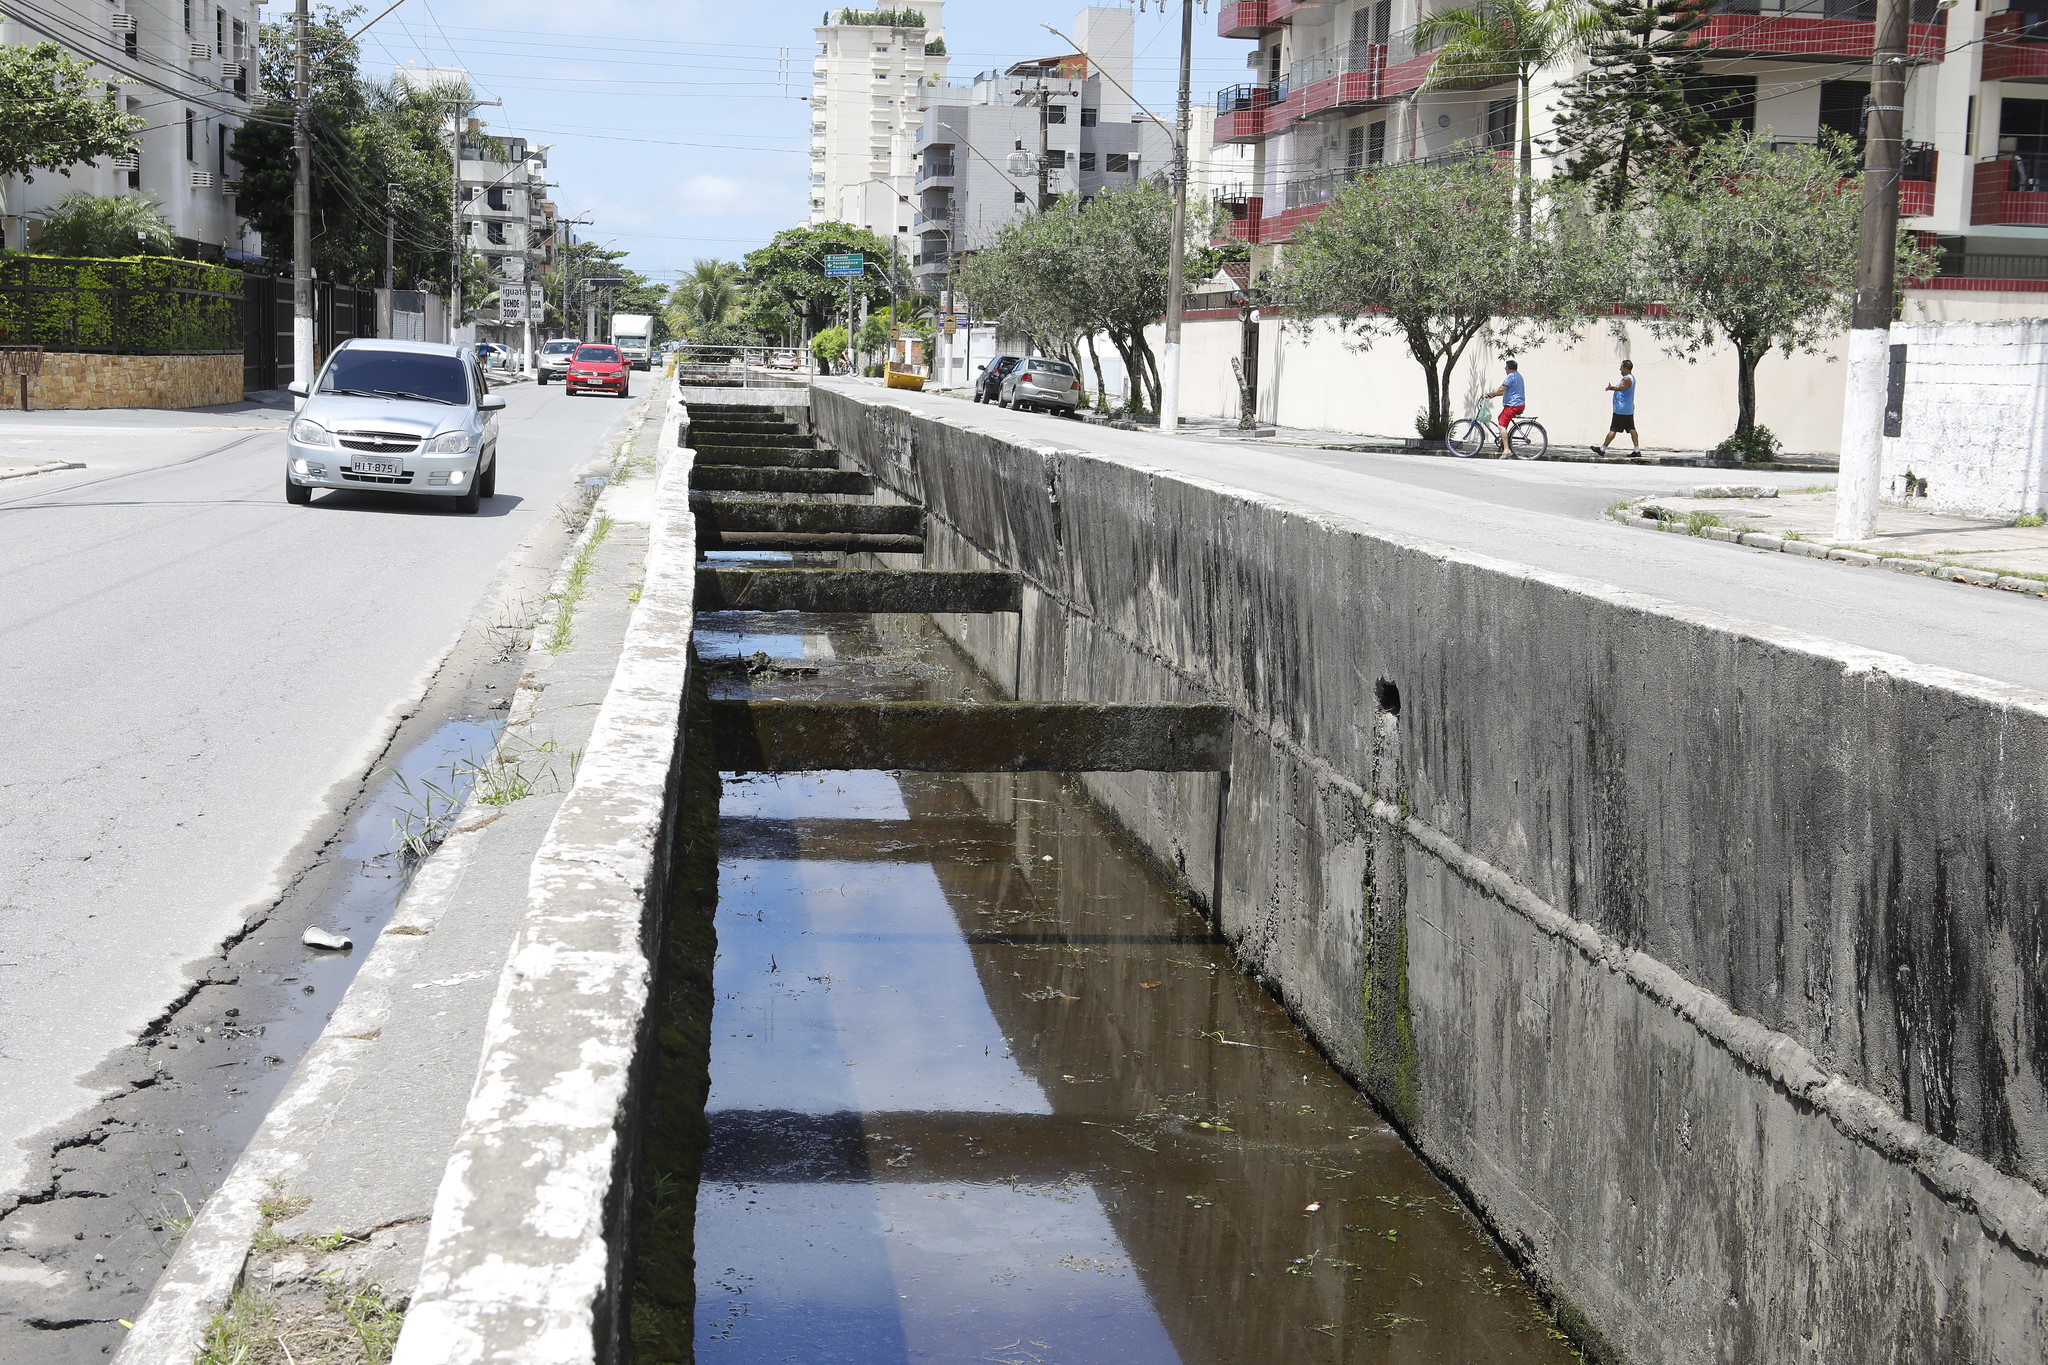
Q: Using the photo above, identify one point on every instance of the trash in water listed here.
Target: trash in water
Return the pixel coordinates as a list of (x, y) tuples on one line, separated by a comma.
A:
[(316, 937)]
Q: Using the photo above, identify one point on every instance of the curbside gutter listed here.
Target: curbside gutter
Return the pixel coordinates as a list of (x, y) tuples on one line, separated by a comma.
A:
[(213, 1255), (1631, 516), (526, 1254)]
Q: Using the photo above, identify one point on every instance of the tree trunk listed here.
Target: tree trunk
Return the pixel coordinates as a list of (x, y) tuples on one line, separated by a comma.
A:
[(1436, 385), (1151, 372), (1101, 389), (1746, 360), (1132, 380), (1525, 178)]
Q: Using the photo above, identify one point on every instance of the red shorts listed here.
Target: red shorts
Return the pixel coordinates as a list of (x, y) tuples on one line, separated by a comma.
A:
[(1508, 415)]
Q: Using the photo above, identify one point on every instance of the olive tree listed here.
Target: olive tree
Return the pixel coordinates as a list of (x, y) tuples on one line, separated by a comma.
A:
[(1755, 245), (1432, 253)]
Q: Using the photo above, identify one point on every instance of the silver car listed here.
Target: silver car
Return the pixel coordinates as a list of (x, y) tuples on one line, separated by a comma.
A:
[(555, 357), (1040, 383), (396, 417)]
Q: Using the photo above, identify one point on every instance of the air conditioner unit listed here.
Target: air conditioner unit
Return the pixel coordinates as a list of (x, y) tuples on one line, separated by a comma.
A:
[(199, 51), (202, 180), (231, 71), (128, 161), (121, 23)]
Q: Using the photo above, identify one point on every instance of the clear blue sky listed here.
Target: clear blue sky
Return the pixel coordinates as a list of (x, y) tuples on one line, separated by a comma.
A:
[(681, 128)]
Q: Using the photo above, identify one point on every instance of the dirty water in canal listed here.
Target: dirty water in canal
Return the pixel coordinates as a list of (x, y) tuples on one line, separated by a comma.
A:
[(982, 1089)]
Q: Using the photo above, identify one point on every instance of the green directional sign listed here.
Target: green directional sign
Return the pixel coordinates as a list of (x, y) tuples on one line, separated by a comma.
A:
[(845, 265)]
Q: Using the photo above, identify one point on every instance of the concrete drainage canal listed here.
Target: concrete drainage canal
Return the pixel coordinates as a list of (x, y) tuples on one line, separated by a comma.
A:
[(974, 1084)]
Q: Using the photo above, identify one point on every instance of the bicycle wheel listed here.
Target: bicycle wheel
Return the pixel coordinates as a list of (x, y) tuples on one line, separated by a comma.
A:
[(1468, 437), (1528, 440)]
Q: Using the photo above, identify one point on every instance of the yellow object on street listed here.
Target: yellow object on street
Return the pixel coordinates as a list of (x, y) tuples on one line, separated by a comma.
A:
[(901, 377)]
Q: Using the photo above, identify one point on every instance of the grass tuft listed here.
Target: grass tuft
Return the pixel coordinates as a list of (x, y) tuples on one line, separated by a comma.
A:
[(559, 637)]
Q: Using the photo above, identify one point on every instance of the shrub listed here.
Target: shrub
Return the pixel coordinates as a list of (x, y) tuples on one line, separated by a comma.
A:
[(1432, 428), (1752, 446), (110, 227), (141, 305)]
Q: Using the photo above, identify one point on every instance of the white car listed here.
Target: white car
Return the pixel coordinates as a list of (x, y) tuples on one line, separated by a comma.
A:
[(554, 358), (395, 417)]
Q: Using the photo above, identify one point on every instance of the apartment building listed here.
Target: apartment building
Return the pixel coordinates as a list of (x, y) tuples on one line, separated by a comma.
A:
[(870, 66), (1337, 87), (509, 220), (1074, 126), (187, 68)]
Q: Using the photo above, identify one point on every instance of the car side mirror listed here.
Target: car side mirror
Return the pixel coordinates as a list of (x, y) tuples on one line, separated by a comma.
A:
[(297, 389), (491, 402)]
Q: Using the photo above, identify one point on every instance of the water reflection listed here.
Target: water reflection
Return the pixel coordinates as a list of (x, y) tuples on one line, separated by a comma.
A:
[(983, 1091)]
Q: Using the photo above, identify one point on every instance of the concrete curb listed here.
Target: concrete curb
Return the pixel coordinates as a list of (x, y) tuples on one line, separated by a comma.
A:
[(1814, 549), (52, 467), (526, 1250), (213, 1255)]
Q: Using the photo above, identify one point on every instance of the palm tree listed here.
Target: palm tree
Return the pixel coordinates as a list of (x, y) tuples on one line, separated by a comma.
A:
[(1495, 39), (88, 225), (709, 292)]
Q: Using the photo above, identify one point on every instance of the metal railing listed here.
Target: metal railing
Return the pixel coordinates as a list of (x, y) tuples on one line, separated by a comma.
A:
[(754, 367), (1340, 59), (934, 168), (1857, 11), (933, 218)]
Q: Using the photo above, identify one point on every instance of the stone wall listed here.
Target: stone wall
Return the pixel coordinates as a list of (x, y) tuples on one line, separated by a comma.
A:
[(1704, 960), (1975, 420), (73, 379)]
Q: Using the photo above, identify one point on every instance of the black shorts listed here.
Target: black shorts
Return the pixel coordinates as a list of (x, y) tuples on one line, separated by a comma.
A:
[(1623, 421)]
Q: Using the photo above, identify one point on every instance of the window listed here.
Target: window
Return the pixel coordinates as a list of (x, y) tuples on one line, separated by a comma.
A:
[(496, 198), (1088, 117), (494, 233), (1500, 124), (1369, 23), (1056, 158), (1055, 113), (220, 34), (1087, 161), (188, 16), (1117, 163), (128, 42), (1354, 148), (1376, 143), (1729, 102), (221, 152), (191, 134), (1841, 108)]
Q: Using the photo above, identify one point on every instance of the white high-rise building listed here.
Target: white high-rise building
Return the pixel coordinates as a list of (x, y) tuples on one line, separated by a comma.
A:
[(186, 68), (870, 66)]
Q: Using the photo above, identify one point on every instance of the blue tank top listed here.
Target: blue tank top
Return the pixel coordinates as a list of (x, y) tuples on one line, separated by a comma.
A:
[(1625, 402)]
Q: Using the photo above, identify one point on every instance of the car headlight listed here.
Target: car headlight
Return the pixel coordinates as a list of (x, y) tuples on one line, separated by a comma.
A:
[(449, 443), (310, 433)]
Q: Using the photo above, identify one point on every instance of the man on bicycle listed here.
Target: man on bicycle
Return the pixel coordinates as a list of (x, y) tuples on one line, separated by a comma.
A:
[(1513, 401)]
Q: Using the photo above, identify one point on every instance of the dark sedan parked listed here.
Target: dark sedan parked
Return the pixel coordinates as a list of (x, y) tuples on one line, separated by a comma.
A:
[(989, 382)]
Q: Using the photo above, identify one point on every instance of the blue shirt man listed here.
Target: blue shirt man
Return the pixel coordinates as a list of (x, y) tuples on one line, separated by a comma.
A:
[(1511, 394), (1624, 419)]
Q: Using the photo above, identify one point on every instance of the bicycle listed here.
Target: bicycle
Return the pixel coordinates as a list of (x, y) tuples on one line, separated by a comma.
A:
[(1527, 440)]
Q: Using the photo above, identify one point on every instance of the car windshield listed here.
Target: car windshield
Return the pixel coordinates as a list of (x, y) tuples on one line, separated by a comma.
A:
[(1049, 366), (558, 347), (597, 353), (397, 374)]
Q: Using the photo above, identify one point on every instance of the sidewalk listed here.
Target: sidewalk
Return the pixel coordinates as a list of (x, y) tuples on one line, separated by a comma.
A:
[(1962, 549), (321, 1225)]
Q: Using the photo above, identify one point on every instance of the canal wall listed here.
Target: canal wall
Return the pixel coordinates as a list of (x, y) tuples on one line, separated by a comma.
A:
[(1704, 958)]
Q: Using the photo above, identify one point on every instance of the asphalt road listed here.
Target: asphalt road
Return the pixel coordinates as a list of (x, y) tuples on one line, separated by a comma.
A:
[(1549, 516), (194, 675)]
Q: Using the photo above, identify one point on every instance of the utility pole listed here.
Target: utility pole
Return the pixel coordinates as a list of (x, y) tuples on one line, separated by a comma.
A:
[(302, 202), (390, 252), (1177, 249), (1868, 379)]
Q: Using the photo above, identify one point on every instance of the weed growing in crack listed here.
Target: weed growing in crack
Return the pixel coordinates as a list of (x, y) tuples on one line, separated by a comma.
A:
[(433, 810), (1696, 523), (576, 585)]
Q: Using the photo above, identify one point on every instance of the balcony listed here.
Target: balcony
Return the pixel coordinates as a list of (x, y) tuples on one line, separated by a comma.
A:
[(1347, 75), (1245, 19), (938, 220), (1817, 30), (2011, 191), (1240, 113), (2014, 49), (934, 170)]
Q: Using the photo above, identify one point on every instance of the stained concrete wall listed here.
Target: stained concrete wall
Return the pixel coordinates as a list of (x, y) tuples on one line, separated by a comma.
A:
[(1974, 423), (1704, 959), (70, 380)]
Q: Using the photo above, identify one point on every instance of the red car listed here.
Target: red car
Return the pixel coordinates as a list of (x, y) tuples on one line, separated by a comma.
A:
[(597, 369)]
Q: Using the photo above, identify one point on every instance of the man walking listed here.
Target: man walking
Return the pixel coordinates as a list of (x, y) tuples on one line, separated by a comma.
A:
[(1624, 391), (1512, 400)]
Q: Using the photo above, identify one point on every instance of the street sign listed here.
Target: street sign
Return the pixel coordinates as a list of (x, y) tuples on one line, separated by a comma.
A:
[(849, 265)]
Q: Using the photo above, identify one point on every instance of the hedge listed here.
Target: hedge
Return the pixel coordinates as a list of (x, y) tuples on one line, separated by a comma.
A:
[(143, 305)]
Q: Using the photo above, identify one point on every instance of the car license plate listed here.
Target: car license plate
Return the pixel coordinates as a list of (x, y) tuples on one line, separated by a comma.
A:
[(365, 466)]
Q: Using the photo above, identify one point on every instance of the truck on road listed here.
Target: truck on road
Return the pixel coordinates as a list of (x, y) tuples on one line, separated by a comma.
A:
[(633, 334)]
